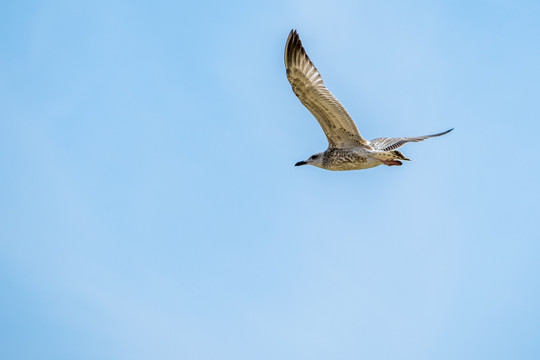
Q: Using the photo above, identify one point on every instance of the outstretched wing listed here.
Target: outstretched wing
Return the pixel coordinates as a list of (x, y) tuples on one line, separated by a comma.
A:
[(308, 85), (387, 144)]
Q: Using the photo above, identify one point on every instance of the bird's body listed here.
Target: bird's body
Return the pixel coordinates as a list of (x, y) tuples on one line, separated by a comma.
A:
[(348, 159), (347, 149), (355, 158)]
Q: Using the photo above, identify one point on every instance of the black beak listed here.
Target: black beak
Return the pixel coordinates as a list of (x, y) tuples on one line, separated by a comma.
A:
[(300, 163)]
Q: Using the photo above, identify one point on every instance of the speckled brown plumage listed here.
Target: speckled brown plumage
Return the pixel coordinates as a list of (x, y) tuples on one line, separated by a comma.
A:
[(347, 149)]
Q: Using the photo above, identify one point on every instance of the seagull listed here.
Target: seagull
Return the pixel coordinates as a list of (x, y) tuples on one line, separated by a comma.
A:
[(347, 149)]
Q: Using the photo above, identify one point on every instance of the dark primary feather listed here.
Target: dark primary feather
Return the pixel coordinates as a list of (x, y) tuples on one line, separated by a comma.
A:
[(308, 85), (387, 144)]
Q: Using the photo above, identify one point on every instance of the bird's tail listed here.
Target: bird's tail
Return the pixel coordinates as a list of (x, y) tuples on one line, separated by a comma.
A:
[(399, 155), (391, 155)]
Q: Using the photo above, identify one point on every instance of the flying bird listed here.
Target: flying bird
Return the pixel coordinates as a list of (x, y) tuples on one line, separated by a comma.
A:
[(347, 149)]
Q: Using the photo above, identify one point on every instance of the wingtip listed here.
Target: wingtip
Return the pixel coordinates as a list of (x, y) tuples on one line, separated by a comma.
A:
[(292, 33), (447, 131), (293, 42), (443, 133)]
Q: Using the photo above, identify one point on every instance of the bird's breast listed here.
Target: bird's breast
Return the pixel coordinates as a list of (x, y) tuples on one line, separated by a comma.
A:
[(348, 159)]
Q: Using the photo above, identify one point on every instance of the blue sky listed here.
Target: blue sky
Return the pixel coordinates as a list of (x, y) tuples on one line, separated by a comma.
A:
[(150, 207)]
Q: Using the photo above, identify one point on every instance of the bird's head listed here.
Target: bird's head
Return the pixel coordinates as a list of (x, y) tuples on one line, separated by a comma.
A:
[(315, 160)]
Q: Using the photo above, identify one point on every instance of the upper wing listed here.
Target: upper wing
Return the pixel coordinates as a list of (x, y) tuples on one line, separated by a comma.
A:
[(387, 144), (308, 85)]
